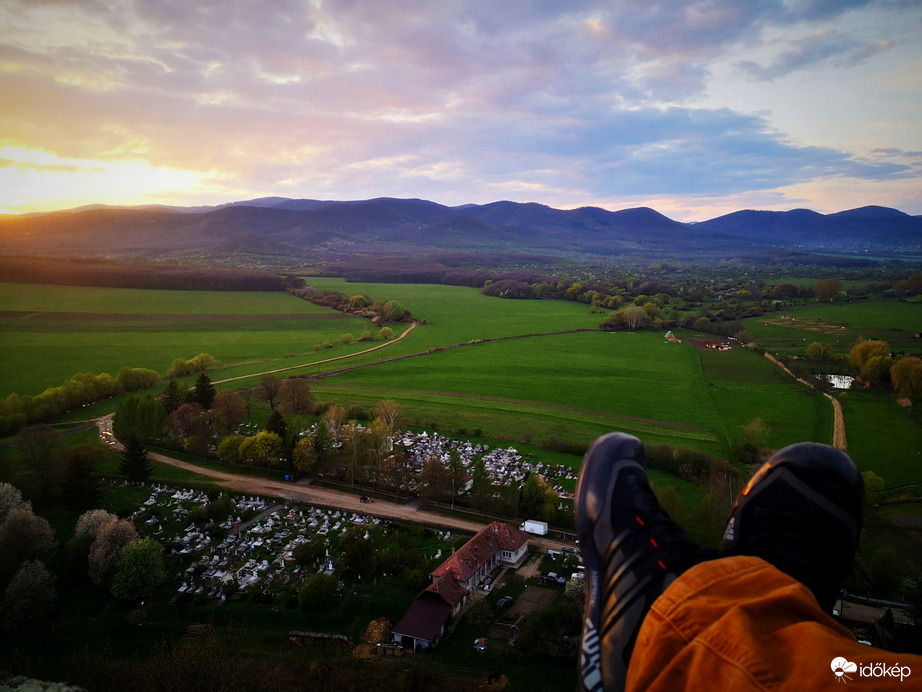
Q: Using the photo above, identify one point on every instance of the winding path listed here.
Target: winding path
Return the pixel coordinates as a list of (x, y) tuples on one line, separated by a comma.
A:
[(326, 360), (839, 441)]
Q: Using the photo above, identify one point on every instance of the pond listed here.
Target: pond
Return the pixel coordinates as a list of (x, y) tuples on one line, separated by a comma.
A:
[(838, 381)]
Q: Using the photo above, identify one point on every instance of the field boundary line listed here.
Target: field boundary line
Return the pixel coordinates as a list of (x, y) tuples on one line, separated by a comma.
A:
[(320, 362)]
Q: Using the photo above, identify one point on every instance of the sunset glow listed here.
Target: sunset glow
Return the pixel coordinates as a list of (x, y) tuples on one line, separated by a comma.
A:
[(694, 108)]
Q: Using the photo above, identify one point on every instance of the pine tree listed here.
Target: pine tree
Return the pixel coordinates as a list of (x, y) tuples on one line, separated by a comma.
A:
[(203, 392), (171, 397), (135, 466)]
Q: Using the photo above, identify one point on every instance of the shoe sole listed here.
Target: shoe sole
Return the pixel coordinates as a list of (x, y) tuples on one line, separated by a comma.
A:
[(593, 497)]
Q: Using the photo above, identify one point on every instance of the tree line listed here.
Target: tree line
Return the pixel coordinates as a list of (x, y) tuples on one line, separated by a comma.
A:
[(71, 271), (83, 388)]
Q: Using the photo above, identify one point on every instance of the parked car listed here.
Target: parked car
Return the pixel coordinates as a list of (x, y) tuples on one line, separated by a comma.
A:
[(503, 604), (552, 578)]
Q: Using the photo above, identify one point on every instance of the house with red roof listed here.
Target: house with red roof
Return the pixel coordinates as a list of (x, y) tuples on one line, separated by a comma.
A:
[(496, 545)]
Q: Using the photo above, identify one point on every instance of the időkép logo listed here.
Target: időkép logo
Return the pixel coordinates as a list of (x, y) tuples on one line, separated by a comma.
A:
[(845, 670)]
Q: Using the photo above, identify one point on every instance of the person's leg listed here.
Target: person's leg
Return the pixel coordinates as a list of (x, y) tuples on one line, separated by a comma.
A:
[(801, 512), (632, 551), (738, 623), (758, 617)]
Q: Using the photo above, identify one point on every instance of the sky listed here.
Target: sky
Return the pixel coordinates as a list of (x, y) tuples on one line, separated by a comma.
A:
[(695, 109)]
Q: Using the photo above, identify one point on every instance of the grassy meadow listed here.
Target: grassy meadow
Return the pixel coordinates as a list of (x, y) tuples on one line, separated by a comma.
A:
[(501, 368), (50, 333), (840, 325)]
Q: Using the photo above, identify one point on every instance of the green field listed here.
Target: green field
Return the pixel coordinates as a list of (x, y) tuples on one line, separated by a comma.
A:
[(50, 333), (840, 325), (471, 367)]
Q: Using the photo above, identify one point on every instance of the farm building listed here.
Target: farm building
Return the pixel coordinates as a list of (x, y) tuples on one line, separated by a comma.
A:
[(495, 546)]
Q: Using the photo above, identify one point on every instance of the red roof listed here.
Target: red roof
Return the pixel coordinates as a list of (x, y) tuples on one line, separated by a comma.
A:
[(448, 588), (425, 618), (480, 549)]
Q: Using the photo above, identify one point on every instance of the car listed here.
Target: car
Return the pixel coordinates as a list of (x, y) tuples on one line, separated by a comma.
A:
[(503, 604), (552, 578)]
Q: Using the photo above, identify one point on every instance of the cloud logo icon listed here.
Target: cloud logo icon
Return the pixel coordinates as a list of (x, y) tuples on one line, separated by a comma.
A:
[(840, 666)]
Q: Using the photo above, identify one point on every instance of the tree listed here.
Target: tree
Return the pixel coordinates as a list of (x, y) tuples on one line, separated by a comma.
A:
[(863, 351), (203, 392), (436, 479), (79, 485), (358, 555), (268, 390), (262, 449), (229, 408), (295, 396), (24, 536), (29, 596), (135, 465), (172, 397), (873, 487), (827, 289), (39, 445), (386, 333), (192, 422), (304, 456), (10, 499), (318, 593), (106, 551), (140, 570), (455, 473), (133, 379), (390, 413), (538, 498), (877, 369), (753, 438), (90, 521), (819, 351), (353, 435), (276, 424), (334, 417), (906, 375), (229, 449)]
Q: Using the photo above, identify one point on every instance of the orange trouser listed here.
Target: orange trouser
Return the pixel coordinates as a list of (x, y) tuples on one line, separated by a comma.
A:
[(740, 624)]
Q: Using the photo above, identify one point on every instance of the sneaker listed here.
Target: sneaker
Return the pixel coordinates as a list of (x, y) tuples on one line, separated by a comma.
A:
[(632, 551), (801, 512)]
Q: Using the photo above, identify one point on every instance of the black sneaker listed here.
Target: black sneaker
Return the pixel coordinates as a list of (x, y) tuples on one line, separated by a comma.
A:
[(801, 512), (632, 551)]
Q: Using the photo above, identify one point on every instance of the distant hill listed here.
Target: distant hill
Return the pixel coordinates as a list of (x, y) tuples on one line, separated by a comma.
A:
[(280, 230)]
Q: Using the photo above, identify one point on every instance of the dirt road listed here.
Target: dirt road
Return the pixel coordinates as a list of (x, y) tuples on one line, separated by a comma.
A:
[(319, 362), (304, 491)]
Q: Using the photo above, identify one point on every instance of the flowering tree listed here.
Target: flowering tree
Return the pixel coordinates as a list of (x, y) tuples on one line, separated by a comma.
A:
[(10, 499), (24, 536), (111, 538), (89, 522)]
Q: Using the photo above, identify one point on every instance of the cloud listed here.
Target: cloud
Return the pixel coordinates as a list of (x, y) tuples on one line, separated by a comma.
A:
[(449, 100), (826, 48)]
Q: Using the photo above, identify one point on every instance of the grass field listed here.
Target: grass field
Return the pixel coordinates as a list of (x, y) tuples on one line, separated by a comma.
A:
[(840, 325), (744, 386), (571, 386), (50, 333)]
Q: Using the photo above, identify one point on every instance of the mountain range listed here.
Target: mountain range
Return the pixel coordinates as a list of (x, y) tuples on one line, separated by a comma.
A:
[(288, 231)]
